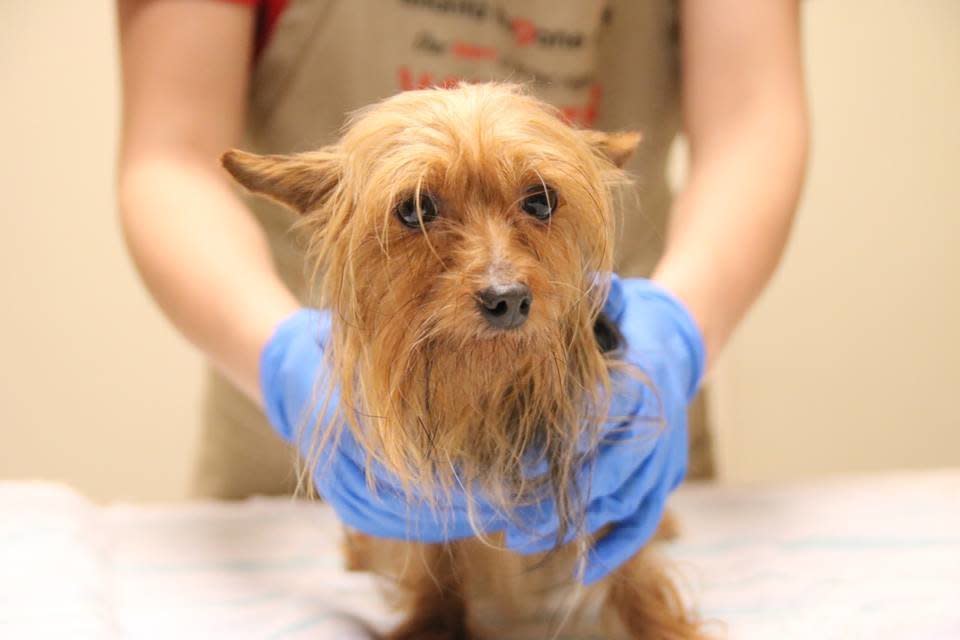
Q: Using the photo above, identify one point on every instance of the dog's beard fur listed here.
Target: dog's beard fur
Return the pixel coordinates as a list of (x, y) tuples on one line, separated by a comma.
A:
[(444, 412), (428, 388)]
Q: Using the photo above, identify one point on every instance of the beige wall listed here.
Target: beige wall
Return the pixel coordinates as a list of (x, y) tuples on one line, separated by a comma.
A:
[(849, 362), (95, 388)]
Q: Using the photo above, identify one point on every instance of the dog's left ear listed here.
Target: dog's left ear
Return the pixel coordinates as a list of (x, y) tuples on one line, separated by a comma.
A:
[(617, 147), (302, 181)]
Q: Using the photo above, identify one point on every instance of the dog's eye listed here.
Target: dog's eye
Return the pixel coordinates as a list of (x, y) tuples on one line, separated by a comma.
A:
[(540, 202), (410, 214)]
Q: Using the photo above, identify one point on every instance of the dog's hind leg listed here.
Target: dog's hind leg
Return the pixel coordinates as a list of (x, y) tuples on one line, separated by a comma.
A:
[(434, 598), (647, 604)]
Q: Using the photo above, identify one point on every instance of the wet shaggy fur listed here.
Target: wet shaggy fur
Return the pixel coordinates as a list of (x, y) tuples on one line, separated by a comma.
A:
[(428, 387)]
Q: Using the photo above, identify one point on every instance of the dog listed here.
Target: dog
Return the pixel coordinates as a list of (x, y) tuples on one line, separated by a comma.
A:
[(456, 235)]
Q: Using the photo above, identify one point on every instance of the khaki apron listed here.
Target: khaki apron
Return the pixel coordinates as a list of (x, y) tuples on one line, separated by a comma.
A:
[(607, 65)]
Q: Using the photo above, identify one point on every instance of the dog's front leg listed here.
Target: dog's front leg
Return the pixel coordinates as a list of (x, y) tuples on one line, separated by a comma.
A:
[(646, 602), (432, 594)]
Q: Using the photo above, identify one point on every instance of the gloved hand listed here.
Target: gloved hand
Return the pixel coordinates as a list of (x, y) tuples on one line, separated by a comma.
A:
[(644, 457), (292, 368), (641, 459)]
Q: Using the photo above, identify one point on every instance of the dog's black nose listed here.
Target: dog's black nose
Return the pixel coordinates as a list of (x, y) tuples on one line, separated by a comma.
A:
[(505, 306)]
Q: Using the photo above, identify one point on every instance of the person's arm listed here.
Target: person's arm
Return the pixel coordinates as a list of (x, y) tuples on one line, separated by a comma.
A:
[(198, 249), (745, 117)]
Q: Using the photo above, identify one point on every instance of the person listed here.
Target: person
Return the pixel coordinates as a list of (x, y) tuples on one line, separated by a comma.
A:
[(276, 76)]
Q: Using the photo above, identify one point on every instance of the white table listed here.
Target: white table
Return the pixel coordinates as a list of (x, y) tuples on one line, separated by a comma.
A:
[(868, 557)]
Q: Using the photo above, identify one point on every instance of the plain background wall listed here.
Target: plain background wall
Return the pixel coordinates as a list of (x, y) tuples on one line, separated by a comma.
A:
[(95, 388), (849, 362)]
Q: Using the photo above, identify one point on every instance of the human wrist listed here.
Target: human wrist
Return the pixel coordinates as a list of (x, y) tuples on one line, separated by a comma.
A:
[(246, 329), (689, 340), (693, 295)]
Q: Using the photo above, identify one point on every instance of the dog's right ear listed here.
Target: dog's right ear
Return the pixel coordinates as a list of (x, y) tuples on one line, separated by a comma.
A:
[(301, 182)]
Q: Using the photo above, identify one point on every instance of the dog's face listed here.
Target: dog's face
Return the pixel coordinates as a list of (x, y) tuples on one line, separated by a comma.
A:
[(460, 237)]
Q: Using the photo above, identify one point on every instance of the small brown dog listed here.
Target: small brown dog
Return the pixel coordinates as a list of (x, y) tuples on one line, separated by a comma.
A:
[(456, 234)]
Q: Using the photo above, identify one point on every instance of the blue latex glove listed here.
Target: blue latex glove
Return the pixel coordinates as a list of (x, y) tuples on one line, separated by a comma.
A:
[(642, 458), (291, 366)]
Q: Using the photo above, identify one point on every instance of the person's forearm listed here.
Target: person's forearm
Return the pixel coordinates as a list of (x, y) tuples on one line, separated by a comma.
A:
[(204, 259), (730, 224), (744, 115)]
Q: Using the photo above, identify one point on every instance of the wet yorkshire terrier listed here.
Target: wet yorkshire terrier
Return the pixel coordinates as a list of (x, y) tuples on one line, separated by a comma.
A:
[(457, 235)]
